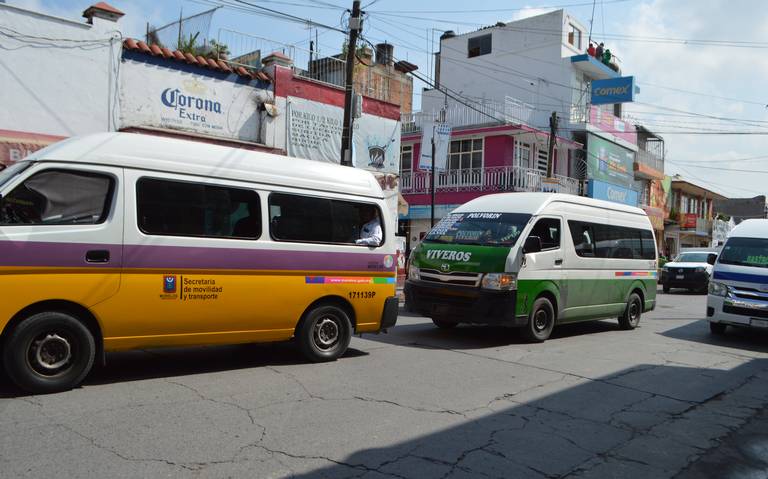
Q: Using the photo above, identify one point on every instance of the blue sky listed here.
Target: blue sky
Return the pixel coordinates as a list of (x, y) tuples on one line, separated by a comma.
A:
[(723, 86)]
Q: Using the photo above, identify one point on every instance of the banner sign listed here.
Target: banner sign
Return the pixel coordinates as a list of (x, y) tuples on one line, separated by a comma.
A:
[(618, 194), (609, 162), (160, 97), (613, 90), (442, 135), (314, 133)]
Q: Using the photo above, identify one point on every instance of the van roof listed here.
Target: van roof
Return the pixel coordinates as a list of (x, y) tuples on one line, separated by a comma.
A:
[(754, 228), (156, 153), (533, 203)]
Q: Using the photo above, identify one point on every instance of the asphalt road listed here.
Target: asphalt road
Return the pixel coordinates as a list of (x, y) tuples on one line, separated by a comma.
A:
[(665, 400)]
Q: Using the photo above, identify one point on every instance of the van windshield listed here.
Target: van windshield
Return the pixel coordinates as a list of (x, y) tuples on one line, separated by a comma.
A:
[(746, 252), (489, 229), (692, 258), (13, 170)]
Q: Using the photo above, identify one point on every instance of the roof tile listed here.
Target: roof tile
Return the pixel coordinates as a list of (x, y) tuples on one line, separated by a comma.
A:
[(210, 63)]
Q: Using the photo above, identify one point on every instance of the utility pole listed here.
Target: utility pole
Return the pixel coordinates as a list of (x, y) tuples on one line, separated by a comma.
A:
[(553, 120), (432, 178), (355, 25)]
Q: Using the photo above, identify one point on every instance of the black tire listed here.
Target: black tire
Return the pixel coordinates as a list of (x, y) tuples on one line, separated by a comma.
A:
[(324, 334), (666, 288), (541, 321), (631, 316), (49, 352), (718, 329), (444, 323)]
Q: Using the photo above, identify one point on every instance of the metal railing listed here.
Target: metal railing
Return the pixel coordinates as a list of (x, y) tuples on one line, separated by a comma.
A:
[(510, 111), (491, 179), (650, 159)]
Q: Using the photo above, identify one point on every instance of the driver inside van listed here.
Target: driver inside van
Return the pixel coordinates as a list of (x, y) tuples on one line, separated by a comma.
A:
[(370, 232)]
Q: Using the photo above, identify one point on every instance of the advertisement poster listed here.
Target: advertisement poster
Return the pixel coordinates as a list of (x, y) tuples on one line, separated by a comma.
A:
[(609, 162), (314, 133), (442, 135), (155, 96)]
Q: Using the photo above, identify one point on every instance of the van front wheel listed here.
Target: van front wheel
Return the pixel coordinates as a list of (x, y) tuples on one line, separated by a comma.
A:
[(325, 333), (541, 321), (631, 316), (49, 352)]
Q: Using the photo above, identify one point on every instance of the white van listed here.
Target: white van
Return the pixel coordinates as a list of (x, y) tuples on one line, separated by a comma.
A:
[(533, 260), (738, 290), (120, 241)]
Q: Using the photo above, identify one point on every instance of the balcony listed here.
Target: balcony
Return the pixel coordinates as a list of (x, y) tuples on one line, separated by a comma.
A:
[(510, 111), (487, 180), (594, 68), (648, 166)]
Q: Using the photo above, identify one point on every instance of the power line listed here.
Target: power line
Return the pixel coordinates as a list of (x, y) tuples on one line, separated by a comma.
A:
[(495, 10), (735, 170)]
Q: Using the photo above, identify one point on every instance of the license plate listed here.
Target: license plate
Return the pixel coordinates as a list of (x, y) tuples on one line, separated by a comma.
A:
[(758, 323), (680, 276)]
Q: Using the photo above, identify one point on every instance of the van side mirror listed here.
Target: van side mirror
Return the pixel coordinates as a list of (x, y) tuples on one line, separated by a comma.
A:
[(532, 245), (711, 258)]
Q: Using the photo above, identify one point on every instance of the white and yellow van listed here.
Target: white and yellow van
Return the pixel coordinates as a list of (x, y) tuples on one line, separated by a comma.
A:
[(534, 260), (120, 241)]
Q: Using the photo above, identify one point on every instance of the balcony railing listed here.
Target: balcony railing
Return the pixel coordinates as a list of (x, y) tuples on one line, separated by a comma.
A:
[(510, 111), (650, 159), (492, 179)]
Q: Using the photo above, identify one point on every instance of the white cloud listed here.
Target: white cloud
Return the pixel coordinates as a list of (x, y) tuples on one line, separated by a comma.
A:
[(528, 11)]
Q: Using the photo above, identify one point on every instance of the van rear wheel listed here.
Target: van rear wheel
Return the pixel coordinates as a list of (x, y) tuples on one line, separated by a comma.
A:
[(324, 334), (49, 352), (631, 316), (541, 321)]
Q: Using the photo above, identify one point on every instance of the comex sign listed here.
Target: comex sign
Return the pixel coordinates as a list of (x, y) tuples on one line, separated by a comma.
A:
[(613, 90)]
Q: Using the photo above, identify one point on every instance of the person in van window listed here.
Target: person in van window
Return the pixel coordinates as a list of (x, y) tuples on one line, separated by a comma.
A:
[(249, 226), (370, 232)]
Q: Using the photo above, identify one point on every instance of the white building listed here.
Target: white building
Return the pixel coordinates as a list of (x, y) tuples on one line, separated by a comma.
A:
[(39, 103)]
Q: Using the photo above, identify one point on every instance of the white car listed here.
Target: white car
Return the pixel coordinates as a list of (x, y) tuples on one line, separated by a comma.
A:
[(689, 270)]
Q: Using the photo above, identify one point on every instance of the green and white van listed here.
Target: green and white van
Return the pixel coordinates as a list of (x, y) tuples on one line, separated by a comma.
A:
[(533, 260)]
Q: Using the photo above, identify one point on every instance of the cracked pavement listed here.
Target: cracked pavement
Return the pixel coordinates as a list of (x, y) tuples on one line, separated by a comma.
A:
[(665, 400)]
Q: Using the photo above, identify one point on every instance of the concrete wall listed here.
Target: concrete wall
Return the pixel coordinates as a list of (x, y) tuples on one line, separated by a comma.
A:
[(60, 87)]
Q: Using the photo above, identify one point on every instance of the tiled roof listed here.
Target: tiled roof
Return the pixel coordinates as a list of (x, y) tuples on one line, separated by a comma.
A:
[(106, 7), (199, 61)]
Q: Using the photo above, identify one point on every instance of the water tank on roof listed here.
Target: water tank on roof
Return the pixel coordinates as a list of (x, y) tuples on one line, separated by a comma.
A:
[(447, 34), (385, 53)]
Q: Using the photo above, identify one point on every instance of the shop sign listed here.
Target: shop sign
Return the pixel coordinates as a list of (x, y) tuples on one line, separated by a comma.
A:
[(618, 194), (613, 90), (688, 220)]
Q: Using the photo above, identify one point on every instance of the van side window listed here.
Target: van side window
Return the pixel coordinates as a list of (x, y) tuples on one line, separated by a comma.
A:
[(607, 241), (179, 208), (59, 197), (583, 238), (316, 220), (548, 229)]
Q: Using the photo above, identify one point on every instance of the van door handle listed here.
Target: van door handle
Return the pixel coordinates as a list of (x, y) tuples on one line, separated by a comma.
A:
[(97, 256), (558, 262)]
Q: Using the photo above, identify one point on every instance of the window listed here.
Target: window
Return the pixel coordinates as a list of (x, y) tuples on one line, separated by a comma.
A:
[(7, 173), (479, 228), (574, 36), (548, 229), (406, 158), (746, 252), (542, 158), (523, 155), (179, 208), (58, 197), (477, 46), (465, 154), (607, 241), (318, 220)]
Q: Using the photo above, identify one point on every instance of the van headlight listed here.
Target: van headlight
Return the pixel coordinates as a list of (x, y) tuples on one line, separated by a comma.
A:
[(500, 281), (718, 289), (413, 272)]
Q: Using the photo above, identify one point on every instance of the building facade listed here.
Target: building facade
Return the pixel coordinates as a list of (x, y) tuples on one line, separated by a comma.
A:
[(691, 217)]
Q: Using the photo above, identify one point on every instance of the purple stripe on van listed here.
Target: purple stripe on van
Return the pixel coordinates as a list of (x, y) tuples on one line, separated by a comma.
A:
[(37, 253), (137, 256), (32, 253)]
